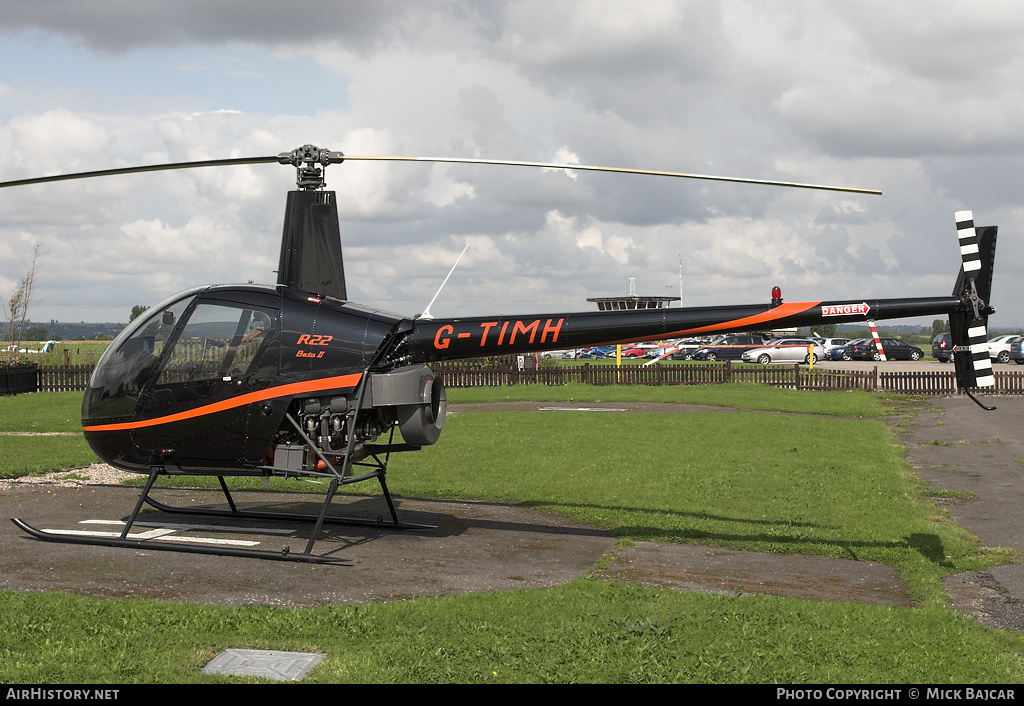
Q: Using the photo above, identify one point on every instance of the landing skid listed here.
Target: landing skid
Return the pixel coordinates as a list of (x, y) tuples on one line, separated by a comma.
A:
[(285, 554), (148, 544)]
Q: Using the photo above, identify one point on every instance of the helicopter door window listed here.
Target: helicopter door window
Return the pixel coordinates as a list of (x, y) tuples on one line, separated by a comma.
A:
[(217, 342), (252, 329)]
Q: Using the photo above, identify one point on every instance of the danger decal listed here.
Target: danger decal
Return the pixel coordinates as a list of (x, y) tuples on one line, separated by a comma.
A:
[(845, 309)]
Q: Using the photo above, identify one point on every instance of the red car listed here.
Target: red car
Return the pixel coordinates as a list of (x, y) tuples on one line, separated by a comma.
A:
[(634, 352), (638, 350)]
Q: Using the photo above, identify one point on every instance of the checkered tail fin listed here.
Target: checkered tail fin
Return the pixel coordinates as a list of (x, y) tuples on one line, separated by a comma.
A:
[(969, 325)]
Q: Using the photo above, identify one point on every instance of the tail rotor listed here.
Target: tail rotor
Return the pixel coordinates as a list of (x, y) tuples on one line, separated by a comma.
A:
[(969, 325)]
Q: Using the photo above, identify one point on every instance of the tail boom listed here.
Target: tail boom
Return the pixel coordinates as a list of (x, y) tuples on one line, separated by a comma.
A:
[(456, 338)]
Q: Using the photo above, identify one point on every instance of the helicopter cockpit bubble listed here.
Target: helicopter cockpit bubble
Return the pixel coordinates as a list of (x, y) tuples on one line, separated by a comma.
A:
[(130, 359)]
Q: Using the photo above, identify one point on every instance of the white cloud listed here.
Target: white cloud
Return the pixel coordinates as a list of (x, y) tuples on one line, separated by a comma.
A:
[(920, 100)]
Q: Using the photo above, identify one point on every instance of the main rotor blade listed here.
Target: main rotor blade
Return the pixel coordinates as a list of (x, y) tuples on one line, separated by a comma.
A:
[(451, 160), (134, 170), (619, 170)]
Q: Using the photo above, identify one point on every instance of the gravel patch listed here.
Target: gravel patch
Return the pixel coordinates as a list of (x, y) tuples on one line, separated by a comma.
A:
[(96, 474)]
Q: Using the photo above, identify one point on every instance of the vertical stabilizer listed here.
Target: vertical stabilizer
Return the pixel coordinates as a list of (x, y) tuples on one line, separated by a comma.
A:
[(969, 326)]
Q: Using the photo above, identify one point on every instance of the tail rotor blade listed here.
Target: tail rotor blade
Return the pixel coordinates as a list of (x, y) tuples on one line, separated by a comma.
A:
[(981, 361), (967, 234), (969, 326)]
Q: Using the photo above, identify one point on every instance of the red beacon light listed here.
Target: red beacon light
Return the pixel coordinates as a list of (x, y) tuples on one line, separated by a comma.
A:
[(776, 296)]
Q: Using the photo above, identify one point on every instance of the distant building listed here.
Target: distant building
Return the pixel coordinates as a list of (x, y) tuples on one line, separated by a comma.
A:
[(631, 301), (618, 303)]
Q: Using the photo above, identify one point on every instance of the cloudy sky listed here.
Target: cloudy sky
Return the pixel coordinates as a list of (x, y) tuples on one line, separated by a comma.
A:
[(921, 100)]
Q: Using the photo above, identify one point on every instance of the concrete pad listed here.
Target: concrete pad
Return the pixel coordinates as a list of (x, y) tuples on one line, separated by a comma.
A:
[(269, 664)]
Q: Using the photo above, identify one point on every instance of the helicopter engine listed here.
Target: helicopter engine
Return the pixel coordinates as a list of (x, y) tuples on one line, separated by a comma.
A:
[(416, 398), (411, 398)]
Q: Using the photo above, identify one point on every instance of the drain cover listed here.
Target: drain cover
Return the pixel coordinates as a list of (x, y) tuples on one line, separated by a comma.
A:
[(283, 666)]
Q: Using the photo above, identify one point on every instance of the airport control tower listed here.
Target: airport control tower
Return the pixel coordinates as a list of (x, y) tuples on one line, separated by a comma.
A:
[(631, 300)]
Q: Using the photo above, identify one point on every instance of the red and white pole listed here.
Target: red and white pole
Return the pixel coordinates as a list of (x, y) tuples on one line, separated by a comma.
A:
[(878, 342)]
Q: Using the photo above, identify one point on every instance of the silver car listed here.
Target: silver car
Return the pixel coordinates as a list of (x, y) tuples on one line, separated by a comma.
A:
[(785, 350)]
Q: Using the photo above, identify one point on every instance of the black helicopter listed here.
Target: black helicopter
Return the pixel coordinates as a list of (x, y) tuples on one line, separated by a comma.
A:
[(293, 380)]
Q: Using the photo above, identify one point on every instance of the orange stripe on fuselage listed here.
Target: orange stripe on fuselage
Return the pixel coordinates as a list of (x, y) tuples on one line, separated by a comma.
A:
[(296, 388), (780, 312)]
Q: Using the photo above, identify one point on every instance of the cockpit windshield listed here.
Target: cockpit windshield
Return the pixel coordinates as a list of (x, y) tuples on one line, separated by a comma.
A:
[(130, 359)]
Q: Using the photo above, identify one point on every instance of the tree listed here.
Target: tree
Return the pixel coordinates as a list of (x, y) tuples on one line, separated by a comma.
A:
[(136, 311), (16, 306), (939, 326)]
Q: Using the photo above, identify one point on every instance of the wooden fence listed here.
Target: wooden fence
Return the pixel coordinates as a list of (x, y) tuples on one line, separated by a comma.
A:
[(64, 378), (505, 371), (15, 379), (692, 374), (799, 377)]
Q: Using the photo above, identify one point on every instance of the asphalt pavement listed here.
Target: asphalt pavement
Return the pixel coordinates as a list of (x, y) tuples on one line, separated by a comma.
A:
[(979, 456)]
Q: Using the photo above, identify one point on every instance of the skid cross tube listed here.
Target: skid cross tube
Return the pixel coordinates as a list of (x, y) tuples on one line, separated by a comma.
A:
[(138, 505), (322, 517)]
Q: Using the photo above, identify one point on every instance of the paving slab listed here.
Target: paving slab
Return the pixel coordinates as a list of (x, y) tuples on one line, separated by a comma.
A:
[(269, 664)]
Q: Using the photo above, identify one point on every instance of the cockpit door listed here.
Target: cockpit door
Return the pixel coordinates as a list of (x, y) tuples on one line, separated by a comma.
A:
[(194, 411)]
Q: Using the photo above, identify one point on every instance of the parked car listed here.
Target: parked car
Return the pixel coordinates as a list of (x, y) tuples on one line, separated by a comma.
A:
[(729, 347), (685, 348), (660, 352), (597, 352), (894, 349), (1017, 352), (785, 350), (843, 352), (942, 347), (830, 343), (566, 354), (637, 350), (999, 347)]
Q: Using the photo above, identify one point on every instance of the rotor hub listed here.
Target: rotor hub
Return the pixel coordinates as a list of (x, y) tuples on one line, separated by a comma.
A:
[(310, 163)]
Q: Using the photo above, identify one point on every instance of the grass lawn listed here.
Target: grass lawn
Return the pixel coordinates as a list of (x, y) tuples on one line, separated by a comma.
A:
[(44, 413), (854, 403), (828, 479)]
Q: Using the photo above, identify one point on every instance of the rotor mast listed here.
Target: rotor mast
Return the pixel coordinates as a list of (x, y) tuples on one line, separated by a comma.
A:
[(311, 253)]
